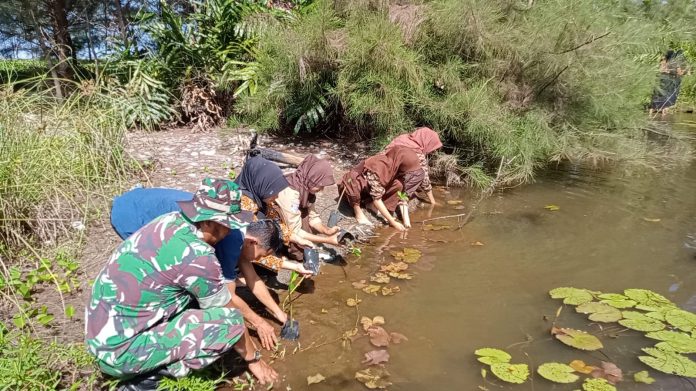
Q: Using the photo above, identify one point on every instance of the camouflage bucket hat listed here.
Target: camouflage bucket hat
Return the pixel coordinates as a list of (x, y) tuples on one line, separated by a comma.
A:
[(217, 200)]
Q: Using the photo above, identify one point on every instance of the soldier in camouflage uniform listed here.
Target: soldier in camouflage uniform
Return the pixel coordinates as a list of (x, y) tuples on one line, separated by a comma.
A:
[(139, 319)]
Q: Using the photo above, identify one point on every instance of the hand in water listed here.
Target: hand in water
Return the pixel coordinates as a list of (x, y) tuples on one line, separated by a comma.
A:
[(398, 226), (263, 372), (407, 225), (266, 335)]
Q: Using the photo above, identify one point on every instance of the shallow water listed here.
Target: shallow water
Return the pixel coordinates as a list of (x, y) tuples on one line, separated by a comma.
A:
[(465, 296)]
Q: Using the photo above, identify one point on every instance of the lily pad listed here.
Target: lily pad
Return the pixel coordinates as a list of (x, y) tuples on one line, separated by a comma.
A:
[(366, 322), (580, 367), (492, 356), (643, 377), (616, 300), (599, 312), (352, 302), (683, 320), (371, 289), (394, 267), (511, 373), (578, 339), (669, 362), (674, 341), (656, 315), (572, 296), (390, 290), (597, 385), (557, 372), (380, 278), (373, 377), (638, 321), (648, 300), (408, 255), (401, 276)]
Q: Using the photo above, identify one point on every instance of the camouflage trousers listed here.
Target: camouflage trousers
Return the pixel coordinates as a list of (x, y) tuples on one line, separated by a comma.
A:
[(191, 340)]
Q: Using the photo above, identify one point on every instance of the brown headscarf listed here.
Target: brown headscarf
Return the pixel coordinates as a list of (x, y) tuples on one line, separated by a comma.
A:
[(312, 172), (395, 163), (422, 140)]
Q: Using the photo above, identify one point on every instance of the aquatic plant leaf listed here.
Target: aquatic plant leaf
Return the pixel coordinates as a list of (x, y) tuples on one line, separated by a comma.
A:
[(552, 208), (572, 296), (616, 300), (373, 377), (492, 356), (401, 276), (371, 289), (397, 338), (359, 284), (669, 362), (674, 341), (367, 322), (511, 373), (638, 321), (577, 338), (318, 378), (648, 300), (390, 290), (683, 320), (431, 227), (609, 371), (380, 278), (394, 267), (408, 255), (597, 385), (376, 356), (599, 312), (557, 372), (580, 367), (657, 316), (378, 336), (643, 377), (352, 302)]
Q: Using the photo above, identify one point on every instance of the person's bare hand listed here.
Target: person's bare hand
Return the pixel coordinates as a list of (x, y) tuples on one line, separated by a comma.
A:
[(398, 226), (305, 243), (407, 225), (302, 270), (332, 230), (266, 335), (263, 372), (334, 239)]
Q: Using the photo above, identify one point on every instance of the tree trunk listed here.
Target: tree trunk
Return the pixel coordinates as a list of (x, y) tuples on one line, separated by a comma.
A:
[(121, 19), (62, 43)]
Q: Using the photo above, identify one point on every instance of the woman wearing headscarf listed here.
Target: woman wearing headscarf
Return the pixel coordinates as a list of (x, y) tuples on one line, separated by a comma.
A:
[(378, 182), (296, 203), (423, 141)]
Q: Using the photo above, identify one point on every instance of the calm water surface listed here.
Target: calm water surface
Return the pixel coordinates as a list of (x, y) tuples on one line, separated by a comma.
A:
[(465, 296)]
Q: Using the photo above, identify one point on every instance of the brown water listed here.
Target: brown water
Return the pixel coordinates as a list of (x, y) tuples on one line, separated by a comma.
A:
[(464, 296)]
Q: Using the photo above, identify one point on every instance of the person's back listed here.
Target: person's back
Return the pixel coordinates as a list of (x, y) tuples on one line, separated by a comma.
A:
[(135, 208)]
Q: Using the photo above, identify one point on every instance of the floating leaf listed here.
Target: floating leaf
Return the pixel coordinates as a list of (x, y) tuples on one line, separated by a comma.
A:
[(367, 322), (401, 276), (390, 290), (648, 300), (674, 341), (572, 296), (359, 284), (394, 267), (616, 300), (371, 289), (637, 321), (397, 338), (643, 377), (352, 302), (454, 202), (552, 208), (318, 378), (669, 362), (599, 312), (656, 315), (373, 377), (378, 336), (683, 320), (375, 357), (408, 255), (380, 278), (597, 385), (492, 356), (511, 373), (557, 372), (580, 367), (431, 227), (609, 371), (577, 339)]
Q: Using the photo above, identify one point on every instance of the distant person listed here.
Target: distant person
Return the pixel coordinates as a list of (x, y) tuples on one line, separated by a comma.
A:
[(378, 181), (161, 306), (423, 141), (672, 68)]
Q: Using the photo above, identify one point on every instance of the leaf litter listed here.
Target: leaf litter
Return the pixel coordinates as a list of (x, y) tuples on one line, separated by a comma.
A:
[(318, 378), (375, 357), (373, 377)]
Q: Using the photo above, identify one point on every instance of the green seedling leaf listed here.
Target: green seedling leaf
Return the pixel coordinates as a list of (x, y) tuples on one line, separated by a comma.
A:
[(69, 311), (292, 286), (683, 320), (643, 377), (572, 296), (403, 196), (599, 312), (492, 356), (19, 320), (669, 362), (44, 319), (648, 300), (674, 341), (638, 321), (597, 385), (577, 339), (557, 372), (616, 300), (511, 373)]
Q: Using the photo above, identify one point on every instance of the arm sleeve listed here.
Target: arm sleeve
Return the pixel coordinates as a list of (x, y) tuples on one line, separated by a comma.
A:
[(425, 185), (289, 203), (412, 180), (313, 215), (376, 189), (203, 278), (271, 262)]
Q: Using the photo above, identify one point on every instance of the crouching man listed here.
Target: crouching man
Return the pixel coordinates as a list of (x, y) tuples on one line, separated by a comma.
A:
[(142, 322)]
